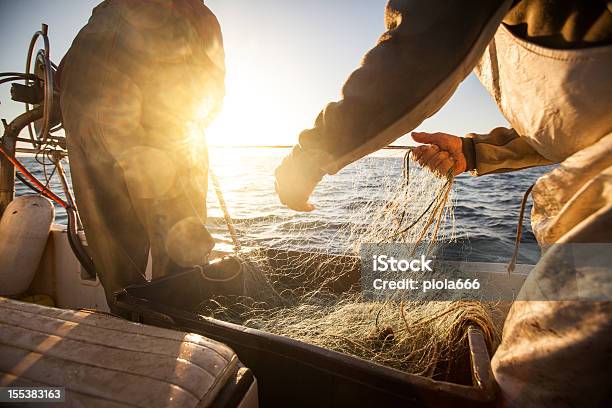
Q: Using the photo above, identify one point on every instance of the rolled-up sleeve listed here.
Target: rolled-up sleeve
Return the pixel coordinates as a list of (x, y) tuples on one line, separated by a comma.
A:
[(499, 151)]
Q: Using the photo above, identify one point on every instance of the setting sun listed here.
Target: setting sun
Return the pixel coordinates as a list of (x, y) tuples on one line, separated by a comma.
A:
[(280, 71), (257, 109)]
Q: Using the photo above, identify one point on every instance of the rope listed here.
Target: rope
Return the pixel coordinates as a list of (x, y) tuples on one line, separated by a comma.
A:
[(202, 270), (436, 199), (226, 214), (519, 230)]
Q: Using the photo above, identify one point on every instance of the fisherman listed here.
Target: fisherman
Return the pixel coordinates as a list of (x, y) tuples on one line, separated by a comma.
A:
[(140, 82), (548, 65)]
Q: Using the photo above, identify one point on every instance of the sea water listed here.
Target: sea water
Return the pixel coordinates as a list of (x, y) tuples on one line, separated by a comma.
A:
[(486, 207)]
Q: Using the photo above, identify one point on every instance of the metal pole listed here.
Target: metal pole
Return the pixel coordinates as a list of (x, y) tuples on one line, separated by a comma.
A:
[(9, 145), (7, 173)]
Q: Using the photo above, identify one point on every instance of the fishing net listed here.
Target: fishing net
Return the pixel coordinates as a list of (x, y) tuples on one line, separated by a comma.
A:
[(316, 296)]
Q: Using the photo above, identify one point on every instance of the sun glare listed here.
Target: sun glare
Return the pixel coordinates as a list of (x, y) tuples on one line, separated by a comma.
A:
[(258, 109)]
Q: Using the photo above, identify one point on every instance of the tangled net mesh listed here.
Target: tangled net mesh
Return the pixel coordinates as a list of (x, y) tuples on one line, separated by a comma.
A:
[(316, 298)]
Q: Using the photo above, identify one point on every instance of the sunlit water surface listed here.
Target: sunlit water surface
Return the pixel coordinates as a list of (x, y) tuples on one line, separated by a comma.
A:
[(486, 210)]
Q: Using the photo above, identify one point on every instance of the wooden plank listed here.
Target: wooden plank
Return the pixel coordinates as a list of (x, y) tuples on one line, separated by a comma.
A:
[(96, 382)]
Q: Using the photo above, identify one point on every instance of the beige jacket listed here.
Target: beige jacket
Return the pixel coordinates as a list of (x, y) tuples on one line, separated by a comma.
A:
[(559, 103), (556, 345)]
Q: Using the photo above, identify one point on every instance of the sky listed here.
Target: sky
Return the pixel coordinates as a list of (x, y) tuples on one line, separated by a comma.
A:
[(285, 60)]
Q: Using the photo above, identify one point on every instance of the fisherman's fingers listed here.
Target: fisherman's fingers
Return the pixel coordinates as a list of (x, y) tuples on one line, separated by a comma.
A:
[(444, 141), (445, 166), (294, 198), (439, 163), (438, 160), (422, 154)]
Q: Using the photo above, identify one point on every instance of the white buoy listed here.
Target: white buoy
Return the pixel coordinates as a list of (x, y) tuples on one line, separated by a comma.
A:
[(24, 230)]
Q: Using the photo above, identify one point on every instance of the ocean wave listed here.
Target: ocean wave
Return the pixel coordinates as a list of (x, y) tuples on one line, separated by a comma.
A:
[(486, 210)]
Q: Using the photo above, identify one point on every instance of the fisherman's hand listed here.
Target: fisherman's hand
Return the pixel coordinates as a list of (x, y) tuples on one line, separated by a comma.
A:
[(440, 153), (296, 177)]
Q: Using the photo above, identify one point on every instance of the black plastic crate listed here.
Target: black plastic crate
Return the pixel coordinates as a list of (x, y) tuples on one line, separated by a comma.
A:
[(293, 373)]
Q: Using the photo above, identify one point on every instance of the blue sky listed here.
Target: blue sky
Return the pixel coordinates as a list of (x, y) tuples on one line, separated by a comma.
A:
[(285, 60)]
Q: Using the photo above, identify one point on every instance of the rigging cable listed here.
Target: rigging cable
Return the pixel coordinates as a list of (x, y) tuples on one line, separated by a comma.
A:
[(26, 183), (44, 190), (73, 237)]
